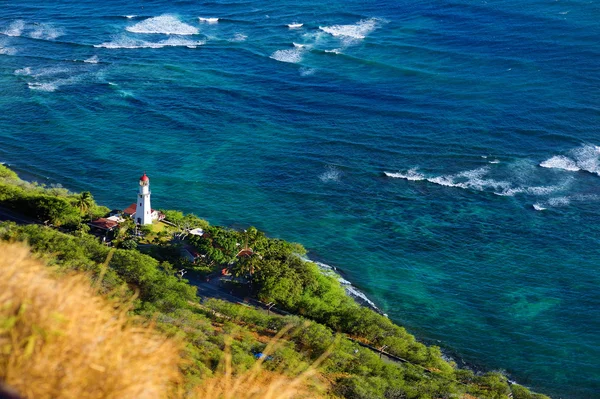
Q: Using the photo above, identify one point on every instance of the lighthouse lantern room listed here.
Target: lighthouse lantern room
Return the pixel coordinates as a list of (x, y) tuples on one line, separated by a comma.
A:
[(143, 211)]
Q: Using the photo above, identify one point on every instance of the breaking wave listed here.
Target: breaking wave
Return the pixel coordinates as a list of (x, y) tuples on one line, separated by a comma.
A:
[(208, 20), (15, 28), (351, 290), (41, 72), (50, 79), (411, 174), (559, 201), (92, 60), (476, 180), (5, 48), (164, 24), (23, 71), (49, 87), (130, 43), (560, 162), (307, 71), (54, 85), (293, 55), (33, 30), (45, 32), (238, 37), (585, 158), (563, 201), (358, 31)]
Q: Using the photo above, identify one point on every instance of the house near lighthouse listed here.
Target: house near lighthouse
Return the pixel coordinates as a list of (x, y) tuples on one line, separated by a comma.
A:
[(141, 211)]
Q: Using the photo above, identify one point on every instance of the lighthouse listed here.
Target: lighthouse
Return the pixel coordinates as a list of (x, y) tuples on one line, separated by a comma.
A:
[(143, 212)]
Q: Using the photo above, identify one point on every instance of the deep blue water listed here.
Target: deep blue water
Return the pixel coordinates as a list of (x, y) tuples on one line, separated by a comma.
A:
[(466, 240)]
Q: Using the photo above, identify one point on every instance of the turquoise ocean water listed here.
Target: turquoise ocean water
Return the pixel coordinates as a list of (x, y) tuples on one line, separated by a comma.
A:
[(443, 155)]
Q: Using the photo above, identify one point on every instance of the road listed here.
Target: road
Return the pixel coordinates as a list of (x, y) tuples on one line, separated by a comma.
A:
[(212, 289)]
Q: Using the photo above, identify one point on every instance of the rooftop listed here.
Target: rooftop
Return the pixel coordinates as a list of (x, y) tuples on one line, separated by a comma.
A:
[(105, 223)]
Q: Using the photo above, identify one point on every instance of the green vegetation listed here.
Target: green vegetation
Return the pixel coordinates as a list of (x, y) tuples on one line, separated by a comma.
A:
[(53, 205), (272, 271)]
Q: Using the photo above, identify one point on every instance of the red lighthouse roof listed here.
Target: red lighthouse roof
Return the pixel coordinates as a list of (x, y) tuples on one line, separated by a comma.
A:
[(144, 177)]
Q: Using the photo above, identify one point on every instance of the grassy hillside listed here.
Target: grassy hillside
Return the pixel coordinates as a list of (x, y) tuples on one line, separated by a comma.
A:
[(274, 273)]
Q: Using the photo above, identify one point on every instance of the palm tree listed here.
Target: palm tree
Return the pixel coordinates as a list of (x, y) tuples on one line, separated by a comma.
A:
[(84, 201)]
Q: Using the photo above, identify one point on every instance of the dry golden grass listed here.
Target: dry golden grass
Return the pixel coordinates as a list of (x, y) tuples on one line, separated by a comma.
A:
[(59, 339)]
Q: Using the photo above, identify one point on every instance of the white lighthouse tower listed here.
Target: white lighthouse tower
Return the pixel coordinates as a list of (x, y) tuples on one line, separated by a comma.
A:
[(143, 212)]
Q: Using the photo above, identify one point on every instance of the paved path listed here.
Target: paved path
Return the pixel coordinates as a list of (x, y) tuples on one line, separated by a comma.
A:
[(213, 290)]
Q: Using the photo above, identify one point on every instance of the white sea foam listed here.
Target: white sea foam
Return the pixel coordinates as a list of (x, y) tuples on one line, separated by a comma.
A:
[(7, 50), (546, 190), (293, 55), (208, 20), (350, 289), (124, 42), (299, 45), (295, 25), (334, 51), (307, 71), (130, 16), (53, 85), (42, 72), (34, 30), (45, 32), (411, 174), (15, 28), (125, 93), (92, 60), (164, 24), (50, 71), (359, 30), (539, 191), (361, 297), (238, 37), (563, 201), (585, 158), (495, 161), (23, 71), (559, 201), (315, 36), (560, 162), (49, 86), (332, 174), (476, 180)]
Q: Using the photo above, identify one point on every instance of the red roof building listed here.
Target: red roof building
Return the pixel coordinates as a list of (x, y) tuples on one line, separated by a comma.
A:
[(104, 224), (245, 253)]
